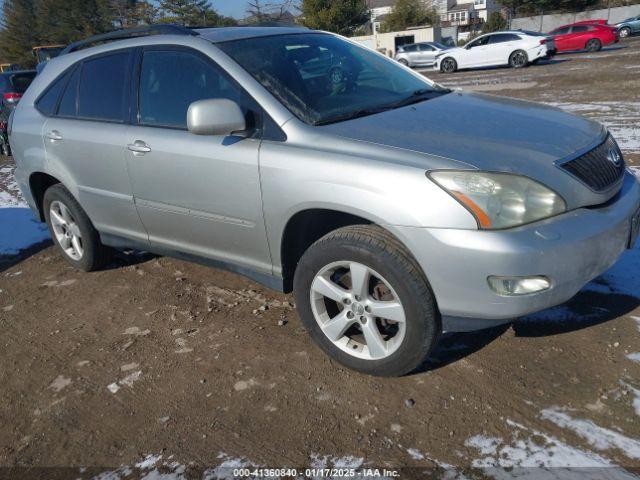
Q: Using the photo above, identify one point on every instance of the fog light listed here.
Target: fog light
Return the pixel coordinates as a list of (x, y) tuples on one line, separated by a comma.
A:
[(514, 286)]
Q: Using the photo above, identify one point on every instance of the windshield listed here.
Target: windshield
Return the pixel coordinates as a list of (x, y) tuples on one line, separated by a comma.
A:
[(323, 79)]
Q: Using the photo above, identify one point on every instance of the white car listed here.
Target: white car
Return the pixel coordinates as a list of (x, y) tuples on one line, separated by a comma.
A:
[(516, 48)]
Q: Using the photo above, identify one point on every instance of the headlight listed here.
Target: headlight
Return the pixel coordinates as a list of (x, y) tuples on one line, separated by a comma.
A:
[(500, 200)]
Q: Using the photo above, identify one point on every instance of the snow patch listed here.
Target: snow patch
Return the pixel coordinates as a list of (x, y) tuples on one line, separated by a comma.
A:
[(598, 437), (22, 228), (634, 357)]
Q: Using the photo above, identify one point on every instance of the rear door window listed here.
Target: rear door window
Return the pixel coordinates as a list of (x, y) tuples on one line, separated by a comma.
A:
[(503, 37), (561, 31), (103, 87)]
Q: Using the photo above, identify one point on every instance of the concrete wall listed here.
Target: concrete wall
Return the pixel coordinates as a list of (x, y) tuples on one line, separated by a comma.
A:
[(386, 42), (546, 23)]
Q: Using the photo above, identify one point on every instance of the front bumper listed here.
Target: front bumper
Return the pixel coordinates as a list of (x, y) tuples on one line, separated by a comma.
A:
[(571, 249)]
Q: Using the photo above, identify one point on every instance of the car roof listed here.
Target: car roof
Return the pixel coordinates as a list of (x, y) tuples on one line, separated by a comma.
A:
[(227, 34)]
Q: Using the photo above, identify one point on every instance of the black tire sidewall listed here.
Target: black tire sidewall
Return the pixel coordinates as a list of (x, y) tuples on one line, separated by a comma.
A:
[(90, 239), (423, 326)]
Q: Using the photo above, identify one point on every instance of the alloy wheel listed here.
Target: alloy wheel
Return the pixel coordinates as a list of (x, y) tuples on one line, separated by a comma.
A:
[(358, 310), (448, 65), (66, 230), (593, 45), (625, 32), (519, 59)]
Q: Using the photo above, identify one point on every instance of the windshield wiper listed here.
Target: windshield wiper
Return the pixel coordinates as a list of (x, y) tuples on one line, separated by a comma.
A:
[(416, 97), (420, 96), (352, 115)]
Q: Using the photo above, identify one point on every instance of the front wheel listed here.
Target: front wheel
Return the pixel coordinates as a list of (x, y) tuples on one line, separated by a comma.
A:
[(594, 45), (448, 65), (519, 59), (72, 231), (364, 300), (403, 62), (625, 32)]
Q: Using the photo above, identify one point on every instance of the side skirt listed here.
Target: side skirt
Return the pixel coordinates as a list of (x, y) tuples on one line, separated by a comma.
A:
[(270, 281)]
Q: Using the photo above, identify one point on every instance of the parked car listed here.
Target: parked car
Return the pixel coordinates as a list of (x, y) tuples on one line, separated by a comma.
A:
[(590, 37), (516, 48), (394, 209), (419, 54), (628, 27), (13, 84)]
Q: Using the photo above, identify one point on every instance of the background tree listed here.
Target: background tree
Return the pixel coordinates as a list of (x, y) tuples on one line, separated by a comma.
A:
[(18, 32), (494, 23), (191, 13), (259, 11), (408, 13), (339, 16), (65, 21)]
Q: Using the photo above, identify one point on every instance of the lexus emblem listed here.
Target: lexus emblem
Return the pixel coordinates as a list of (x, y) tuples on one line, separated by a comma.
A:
[(614, 157)]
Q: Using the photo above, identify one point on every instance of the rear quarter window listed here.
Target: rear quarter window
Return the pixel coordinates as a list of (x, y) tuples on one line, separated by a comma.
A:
[(48, 102)]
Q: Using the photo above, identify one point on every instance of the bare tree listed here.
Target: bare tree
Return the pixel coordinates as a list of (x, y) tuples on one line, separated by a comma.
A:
[(275, 11)]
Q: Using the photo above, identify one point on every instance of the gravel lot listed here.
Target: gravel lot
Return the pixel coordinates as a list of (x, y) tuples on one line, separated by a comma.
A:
[(155, 366)]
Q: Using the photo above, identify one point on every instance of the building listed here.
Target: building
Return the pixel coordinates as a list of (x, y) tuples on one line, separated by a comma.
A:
[(467, 15)]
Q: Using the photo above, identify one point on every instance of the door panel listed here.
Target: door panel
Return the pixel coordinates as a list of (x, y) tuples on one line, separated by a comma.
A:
[(195, 194), (200, 194), (84, 141), (93, 156)]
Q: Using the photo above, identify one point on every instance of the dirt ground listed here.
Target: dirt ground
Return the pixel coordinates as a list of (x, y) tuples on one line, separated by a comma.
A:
[(158, 367)]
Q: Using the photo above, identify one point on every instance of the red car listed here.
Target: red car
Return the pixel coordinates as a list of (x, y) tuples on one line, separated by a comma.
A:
[(584, 36)]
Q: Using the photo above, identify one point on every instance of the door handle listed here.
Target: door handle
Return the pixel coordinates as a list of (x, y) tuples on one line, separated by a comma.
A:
[(54, 135), (139, 147)]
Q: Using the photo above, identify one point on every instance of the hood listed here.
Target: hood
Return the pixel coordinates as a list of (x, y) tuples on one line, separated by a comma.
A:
[(488, 132)]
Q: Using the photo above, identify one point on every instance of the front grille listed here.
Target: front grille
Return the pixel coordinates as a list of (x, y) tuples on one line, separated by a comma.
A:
[(600, 168)]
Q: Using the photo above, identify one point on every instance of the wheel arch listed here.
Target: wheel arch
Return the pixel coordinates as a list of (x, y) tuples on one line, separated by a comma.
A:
[(307, 226), (39, 182)]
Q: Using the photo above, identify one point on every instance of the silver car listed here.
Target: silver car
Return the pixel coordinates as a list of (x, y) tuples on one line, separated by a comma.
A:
[(419, 54), (394, 209)]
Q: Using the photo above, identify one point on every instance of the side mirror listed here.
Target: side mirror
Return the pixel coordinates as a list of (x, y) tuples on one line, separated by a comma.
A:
[(216, 116)]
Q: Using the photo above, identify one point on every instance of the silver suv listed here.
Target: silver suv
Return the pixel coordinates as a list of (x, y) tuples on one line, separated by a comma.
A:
[(394, 209)]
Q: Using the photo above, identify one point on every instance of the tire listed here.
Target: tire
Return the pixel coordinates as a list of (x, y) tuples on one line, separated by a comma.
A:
[(448, 65), (91, 254), (402, 344), (625, 32), (519, 59), (6, 149), (593, 45), (404, 62)]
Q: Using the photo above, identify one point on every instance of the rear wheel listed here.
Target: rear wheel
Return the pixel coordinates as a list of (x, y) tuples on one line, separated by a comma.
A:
[(519, 59), (594, 45), (448, 65), (364, 300), (72, 231), (625, 32)]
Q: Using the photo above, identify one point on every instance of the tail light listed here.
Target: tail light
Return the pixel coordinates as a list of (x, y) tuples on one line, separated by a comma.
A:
[(3, 125), (543, 41), (12, 96)]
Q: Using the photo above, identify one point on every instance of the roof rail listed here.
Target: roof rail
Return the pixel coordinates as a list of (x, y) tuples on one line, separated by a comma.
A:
[(136, 32)]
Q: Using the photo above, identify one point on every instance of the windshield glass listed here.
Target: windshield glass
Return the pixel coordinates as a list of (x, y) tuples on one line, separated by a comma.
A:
[(322, 79)]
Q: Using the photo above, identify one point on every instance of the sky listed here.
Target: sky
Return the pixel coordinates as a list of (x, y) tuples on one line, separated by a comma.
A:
[(230, 8)]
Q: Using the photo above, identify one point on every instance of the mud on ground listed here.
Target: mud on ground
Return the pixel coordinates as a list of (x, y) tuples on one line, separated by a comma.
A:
[(171, 366)]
